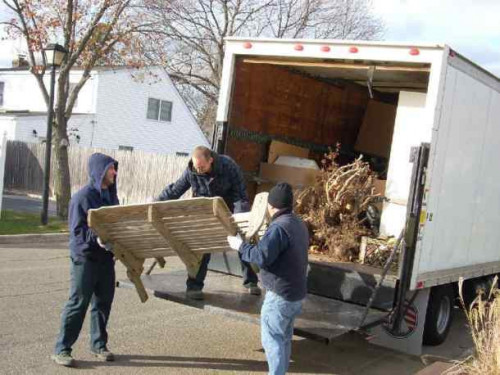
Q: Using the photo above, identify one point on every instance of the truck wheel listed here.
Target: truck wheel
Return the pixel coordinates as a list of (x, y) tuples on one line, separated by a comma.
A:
[(439, 315)]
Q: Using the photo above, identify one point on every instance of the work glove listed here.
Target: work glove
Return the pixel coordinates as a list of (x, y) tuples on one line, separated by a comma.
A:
[(105, 246), (235, 241)]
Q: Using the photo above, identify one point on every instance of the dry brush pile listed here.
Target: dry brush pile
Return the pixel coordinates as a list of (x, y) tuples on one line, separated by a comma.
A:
[(333, 207), (377, 252)]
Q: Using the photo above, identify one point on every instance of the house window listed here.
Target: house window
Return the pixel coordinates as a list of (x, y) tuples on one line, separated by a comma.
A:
[(181, 154), (2, 86), (153, 109), (125, 148), (159, 110), (166, 111)]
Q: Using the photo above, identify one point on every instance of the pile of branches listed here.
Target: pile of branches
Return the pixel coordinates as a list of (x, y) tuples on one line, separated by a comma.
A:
[(333, 208), (377, 252)]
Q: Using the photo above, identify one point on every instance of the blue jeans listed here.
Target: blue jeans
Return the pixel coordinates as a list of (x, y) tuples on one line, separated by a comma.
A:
[(91, 282), (277, 317)]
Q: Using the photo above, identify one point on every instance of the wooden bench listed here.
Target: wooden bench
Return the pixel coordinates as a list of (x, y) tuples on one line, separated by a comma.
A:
[(186, 228)]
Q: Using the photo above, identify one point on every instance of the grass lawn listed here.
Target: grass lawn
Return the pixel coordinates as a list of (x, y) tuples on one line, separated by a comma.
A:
[(13, 222)]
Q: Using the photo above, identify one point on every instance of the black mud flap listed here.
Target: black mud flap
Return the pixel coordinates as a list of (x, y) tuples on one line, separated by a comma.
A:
[(322, 318)]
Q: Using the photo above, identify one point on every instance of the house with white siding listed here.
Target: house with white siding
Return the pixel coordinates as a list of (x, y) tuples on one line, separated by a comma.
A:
[(117, 108)]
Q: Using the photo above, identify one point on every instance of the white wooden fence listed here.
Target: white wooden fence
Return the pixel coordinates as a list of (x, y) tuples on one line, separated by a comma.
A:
[(141, 175)]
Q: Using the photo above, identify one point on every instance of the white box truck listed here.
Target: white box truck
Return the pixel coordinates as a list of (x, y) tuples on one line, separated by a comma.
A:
[(439, 155)]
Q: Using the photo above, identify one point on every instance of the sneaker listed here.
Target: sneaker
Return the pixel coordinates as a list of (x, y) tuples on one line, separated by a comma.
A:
[(194, 294), (104, 354), (254, 290), (63, 359)]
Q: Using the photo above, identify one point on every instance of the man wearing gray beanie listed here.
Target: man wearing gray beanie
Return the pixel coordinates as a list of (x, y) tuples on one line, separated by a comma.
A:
[(281, 255)]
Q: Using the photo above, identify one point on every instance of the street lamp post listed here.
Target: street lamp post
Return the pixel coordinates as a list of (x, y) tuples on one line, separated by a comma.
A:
[(54, 55)]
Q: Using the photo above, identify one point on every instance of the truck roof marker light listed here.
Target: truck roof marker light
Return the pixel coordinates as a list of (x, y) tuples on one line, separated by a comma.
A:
[(353, 49), (414, 51), (420, 285), (298, 47), (247, 45), (325, 49)]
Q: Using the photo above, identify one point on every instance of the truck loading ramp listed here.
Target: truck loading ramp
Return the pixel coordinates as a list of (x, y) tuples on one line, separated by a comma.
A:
[(322, 318)]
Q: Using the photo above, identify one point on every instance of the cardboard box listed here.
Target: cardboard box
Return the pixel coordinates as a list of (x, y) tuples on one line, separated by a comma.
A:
[(379, 186), (297, 177), (265, 186), (294, 161), (375, 134), (279, 148)]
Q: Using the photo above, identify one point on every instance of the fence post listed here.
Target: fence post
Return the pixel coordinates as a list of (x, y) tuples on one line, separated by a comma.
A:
[(3, 156)]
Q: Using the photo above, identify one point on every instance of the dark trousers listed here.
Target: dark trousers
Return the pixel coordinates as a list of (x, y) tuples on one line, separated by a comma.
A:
[(92, 282), (197, 283)]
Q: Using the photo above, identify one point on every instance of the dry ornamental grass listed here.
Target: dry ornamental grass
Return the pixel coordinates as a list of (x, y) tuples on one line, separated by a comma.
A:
[(483, 316)]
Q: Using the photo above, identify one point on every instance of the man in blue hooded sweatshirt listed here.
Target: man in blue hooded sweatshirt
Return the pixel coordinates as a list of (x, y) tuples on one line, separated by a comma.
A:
[(92, 265)]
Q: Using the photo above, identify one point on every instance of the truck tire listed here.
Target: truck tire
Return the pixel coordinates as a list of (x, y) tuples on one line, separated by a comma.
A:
[(439, 314)]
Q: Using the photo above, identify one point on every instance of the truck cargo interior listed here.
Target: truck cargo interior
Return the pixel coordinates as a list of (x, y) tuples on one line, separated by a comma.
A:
[(317, 104)]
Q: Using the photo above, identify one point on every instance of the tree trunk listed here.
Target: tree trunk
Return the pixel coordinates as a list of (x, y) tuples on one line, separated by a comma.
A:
[(207, 117), (62, 183)]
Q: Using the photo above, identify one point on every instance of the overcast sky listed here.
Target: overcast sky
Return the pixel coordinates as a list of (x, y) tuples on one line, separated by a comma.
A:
[(472, 27)]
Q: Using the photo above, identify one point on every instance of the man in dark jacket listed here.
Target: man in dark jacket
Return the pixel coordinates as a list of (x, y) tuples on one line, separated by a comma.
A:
[(92, 266), (211, 175), (281, 255)]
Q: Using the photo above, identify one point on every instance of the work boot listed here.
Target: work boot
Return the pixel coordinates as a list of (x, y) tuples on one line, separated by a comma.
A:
[(196, 295), (254, 289), (63, 359), (104, 354)]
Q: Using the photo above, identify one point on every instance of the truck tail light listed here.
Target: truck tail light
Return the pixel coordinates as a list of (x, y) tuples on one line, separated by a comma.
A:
[(414, 51)]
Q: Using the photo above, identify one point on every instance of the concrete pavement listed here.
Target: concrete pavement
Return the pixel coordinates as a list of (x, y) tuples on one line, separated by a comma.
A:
[(155, 337)]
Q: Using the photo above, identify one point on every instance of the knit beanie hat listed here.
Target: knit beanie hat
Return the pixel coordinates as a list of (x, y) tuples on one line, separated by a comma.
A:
[(281, 196)]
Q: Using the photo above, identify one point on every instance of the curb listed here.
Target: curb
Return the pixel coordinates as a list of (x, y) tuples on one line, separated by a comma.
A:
[(22, 193), (34, 238)]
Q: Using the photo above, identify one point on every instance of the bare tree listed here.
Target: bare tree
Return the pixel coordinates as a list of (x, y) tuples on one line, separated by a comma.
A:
[(194, 32), (95, 32)]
